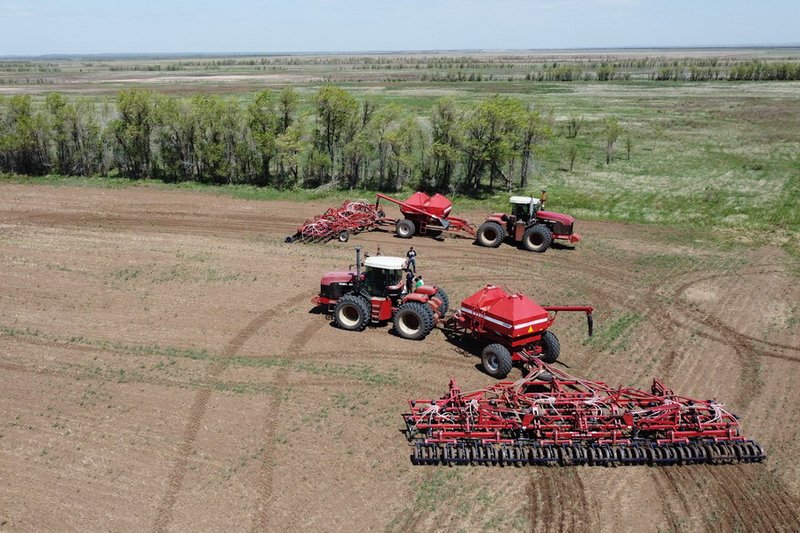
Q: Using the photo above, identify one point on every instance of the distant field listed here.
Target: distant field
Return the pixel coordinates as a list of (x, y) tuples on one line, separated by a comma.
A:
[(713, 154)]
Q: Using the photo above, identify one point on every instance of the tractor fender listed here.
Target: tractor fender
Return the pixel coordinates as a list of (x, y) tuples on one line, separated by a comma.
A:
[(416, 297), (427, 290), (500, 218), (434, 303)]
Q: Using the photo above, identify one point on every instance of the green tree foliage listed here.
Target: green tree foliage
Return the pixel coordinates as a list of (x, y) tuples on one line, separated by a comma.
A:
[(291, 146), (499, 139), (131, 133), (336, 126), (265, 125), (76, 136), (23, 138), (220, 153), (446, 143), (175, 139), (339, 142), (287, 104)]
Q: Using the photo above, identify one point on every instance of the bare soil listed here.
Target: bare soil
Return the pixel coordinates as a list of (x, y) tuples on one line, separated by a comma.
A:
[(161, 368)]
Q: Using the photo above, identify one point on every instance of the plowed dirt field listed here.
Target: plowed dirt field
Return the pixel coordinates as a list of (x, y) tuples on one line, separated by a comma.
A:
[(161, 369)]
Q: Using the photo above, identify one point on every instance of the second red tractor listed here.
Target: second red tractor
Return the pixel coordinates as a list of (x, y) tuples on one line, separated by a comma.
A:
[(529, 225), (378, 294)]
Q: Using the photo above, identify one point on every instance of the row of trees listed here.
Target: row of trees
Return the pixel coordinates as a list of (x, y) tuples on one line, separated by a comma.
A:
[(337, 140)]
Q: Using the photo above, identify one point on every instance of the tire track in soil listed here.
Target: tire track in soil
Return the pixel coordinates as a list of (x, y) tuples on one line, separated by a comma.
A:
[(668, 485), (557, 501), (744, 348), (748, 504), (199, 407), (716, 324), (266, 474)]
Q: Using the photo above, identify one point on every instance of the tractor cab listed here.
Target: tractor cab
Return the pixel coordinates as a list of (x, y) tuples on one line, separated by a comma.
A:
[(384, 276), (524, 208)]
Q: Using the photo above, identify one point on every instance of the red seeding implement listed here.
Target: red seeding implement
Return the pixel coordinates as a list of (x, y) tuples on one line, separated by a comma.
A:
[(552, 418), (378, 294), (425, 215), (352, 217), (514, 328)]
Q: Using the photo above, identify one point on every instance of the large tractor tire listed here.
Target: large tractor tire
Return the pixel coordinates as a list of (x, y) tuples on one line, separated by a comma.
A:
[(491, 234), (413, 321), (551, 348), (496, 360), (440, 294), (537, 238), (352, 312), (405, 228)]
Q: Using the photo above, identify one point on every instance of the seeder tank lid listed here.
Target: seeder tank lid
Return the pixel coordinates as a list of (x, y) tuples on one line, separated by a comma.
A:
[(385, 262), (519, 311), (512, 311), (437, 205), (523, 200)]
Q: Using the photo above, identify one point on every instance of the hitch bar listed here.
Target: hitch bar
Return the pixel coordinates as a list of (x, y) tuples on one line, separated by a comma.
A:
[(580, 308)]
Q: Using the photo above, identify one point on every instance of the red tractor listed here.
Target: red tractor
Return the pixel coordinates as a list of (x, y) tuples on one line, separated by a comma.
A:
[(527, 225), (512, 327), (378, 294)]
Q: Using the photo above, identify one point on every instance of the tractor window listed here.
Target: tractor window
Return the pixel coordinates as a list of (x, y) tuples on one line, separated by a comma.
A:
[(377, 280), (521, 211)]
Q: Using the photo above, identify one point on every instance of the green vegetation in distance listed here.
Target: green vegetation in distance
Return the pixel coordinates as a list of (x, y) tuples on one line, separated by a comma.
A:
[(703, 155)]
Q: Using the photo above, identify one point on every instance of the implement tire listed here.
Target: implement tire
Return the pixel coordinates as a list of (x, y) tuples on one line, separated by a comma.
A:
[(413, 321), (352, 313), (405, 228), (440, 294), (490, 234), (537, 238), (551, 348), (496, 360)]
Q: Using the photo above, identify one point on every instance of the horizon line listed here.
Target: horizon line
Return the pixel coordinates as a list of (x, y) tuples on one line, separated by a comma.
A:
[(51, 55)]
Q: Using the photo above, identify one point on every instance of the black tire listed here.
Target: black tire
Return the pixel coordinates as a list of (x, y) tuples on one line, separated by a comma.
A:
[(537, 238), (445, 301), (496, 360), (413, 321), (490, 234), (352, 313), (405, 228), (343, 236), (551, 348)]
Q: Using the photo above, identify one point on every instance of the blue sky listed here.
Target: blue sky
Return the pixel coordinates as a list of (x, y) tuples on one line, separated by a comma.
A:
[(33, 27)]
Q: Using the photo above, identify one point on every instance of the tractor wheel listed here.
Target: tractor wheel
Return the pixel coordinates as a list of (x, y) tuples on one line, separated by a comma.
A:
[(551, 348), (343, 236), (490, 234), (445, 301), (405, 228), (352, 313), (537, 238), (413, 320), (496, 360)]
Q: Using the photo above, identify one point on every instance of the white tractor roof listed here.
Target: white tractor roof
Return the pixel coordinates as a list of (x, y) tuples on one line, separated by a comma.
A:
[(523, 200), (385, 262)]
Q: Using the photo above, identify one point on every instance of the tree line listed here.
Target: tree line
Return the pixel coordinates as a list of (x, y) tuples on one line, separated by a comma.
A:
[(336, 141)]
